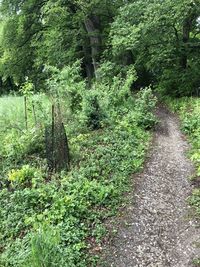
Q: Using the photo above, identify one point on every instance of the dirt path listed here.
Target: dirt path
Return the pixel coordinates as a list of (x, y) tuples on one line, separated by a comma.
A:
[(156, 230)]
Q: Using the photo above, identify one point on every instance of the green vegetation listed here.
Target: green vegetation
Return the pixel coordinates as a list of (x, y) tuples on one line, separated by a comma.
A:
[(53, 219), (83, 71), (189, 112), (160, 39)]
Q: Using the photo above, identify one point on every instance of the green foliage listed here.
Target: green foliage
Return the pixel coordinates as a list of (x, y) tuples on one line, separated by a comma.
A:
[(48, 220), (176, 82), (45, 249), (67, 84), (25, 176), (114, 87), (196, 262), (145, 106), (125, 30), (162, 37), (161, 40), (34, 34), (92, 113), (112, 96), (27, 89), (18, 146), (189, 111), (195, 200)]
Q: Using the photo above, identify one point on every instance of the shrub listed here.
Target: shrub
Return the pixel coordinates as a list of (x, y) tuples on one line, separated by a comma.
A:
[(144, 106), (26, 176), (67, 86), (18, 145), (178, 82), (92, 113)]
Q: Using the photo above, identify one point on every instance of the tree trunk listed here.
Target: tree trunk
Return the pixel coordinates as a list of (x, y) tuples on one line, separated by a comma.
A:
[(87, 60), (92, 25), (186, 37)]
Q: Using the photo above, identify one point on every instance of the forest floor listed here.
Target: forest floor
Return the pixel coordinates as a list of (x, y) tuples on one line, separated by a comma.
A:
[(156, 229)]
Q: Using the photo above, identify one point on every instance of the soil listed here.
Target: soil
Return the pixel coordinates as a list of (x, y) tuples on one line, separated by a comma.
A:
[(157, 229)]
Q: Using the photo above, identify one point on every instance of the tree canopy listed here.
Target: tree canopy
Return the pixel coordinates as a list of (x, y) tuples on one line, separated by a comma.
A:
[(160, 38)]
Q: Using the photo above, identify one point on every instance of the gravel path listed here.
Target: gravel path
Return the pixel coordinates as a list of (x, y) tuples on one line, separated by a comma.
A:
[(156, 229)]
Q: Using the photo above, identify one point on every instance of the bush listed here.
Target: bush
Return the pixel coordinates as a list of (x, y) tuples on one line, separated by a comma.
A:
[(18, 145), (67, 86), (92, 113), (179, 82), (145, 105), (26, 176)]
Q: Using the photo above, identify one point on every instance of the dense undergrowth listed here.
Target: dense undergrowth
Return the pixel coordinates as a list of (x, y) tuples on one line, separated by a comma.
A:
[(56, 219), (189, 112)]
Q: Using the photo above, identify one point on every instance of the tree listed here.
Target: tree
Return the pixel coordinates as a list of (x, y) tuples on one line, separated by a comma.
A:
[(57, 33), (21, 24), (164, 37)]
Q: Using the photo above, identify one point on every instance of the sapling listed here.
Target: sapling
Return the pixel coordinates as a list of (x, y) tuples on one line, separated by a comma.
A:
[(27, 91)]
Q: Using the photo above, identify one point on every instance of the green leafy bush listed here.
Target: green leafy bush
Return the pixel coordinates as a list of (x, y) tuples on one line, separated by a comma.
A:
[(92, 113), (19, 145), (177, 82), (26, 173), (26, 176), (145, 105), (67, 85)]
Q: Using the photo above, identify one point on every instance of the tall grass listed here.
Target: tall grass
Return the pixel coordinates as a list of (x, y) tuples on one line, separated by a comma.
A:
[(12, 111)]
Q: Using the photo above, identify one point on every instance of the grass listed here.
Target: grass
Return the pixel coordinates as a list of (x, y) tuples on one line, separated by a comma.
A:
[(12, 111)]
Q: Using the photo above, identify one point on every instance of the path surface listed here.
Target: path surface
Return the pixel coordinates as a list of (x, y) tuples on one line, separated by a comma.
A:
[(156, 230)]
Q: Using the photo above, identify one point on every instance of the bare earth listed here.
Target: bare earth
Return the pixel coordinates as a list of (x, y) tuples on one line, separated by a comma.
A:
[(156, 229)]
